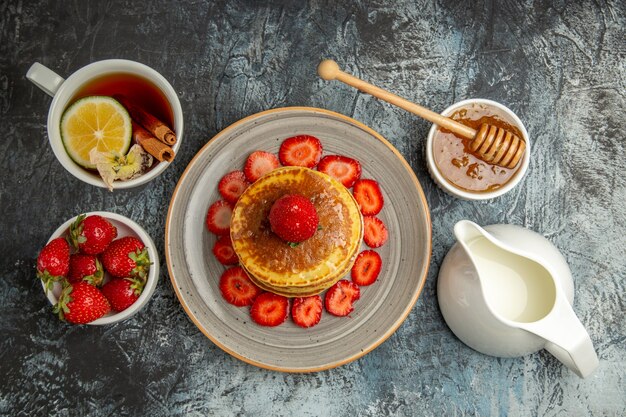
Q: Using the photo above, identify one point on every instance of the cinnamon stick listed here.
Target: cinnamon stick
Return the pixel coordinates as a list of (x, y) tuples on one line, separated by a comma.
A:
[(150, 144), (153, 125)]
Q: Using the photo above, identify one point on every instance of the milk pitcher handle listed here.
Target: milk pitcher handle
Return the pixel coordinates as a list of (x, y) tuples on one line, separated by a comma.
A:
[(566, 339), (44, 78)]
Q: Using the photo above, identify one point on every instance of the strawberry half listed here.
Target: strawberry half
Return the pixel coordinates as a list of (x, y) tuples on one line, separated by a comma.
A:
[(85, 268), (53, 262), (293, 218), (340, 298), (345, 170), (91, 234), (367, 193), (269, 309), (258, 164), (374, 232), (232, 185), (366, 268), (307, 311), (126, 257), (122, 292), (218, 217), (301, 151), (237, 288), (81, 303), (224, 252)]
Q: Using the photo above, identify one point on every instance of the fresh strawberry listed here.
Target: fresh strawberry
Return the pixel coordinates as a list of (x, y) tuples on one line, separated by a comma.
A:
[(237, 288), (307, 311), (269, 309), (92, 234), (293, 218), (53, 262), (345, 170), (366, 268), (301, 151), (232, 185), (374, 232), (122, 292), (224, 252), (81, 303), (260, 163), (340, 298), (218, 217), (85, 268), (367, 193), (126, 257)]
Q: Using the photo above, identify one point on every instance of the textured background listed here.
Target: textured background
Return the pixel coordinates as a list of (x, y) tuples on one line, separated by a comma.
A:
[(559, 65)]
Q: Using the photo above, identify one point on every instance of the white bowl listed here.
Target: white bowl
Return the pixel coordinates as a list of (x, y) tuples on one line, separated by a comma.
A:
[(125, 227), (436, 175)]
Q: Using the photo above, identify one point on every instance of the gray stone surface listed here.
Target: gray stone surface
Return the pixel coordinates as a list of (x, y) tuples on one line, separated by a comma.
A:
[(559, 65)]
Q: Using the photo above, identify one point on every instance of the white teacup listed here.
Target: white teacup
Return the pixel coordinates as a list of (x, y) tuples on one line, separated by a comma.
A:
[(63, 91)]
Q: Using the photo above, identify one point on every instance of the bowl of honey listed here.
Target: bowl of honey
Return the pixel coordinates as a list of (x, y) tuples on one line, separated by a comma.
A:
[(461, 173)]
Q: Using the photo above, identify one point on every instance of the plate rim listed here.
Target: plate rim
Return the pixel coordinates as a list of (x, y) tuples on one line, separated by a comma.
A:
[(392, 329)]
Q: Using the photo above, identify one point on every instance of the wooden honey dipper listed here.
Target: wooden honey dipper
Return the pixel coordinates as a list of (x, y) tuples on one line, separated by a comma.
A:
[(491, 144)]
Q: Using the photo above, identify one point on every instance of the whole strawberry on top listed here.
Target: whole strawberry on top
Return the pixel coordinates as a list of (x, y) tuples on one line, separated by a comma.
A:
[(81, 303), (92, 234), (293, 218), (53, 262), (126, 257)]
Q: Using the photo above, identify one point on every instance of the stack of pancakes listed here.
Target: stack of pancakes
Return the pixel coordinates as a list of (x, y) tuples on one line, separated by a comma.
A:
[(309, 267)]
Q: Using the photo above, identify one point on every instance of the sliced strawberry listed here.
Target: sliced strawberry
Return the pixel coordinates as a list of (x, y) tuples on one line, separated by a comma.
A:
[(218, 217), (236, 287), (374, 232), (340, 298), (224, 252), (366, 268), (301, 151), (345, 170), (232, 185), (367, 193), (269, 309), (307, 311), (260, 163)]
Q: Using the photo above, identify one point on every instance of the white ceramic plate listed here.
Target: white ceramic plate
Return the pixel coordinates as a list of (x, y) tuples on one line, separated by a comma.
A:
[(334, 341)]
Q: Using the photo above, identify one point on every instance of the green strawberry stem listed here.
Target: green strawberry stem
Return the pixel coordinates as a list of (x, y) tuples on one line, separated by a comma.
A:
[(137, 285), (60, 307), (76, 229), (48, 279), (142, 263)]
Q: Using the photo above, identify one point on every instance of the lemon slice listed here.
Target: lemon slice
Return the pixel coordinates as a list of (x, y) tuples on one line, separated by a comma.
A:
[(95, 122)]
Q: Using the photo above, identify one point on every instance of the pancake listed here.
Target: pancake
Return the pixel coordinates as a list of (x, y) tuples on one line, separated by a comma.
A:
[(311, 266)]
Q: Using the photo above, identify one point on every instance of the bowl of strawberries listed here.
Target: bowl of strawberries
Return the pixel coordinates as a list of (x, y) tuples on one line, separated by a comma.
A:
[(98, 268)]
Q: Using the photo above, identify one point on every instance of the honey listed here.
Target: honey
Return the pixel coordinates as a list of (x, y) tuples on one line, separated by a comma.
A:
[(458, 165)]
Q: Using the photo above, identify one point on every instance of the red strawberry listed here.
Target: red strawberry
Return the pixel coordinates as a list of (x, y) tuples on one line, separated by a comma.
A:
[(218, 217), (366, 268), (260, 163), (367, 193), (53, 262), (345, 170), (92, 234), (126, 257), (81, 303), (122, 292), (237, 288), (232, 185), (293, 218), (374, 232), (224, 252), (307, 311), (340, 298), (85, 268), (269, 309), (301, 150)]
